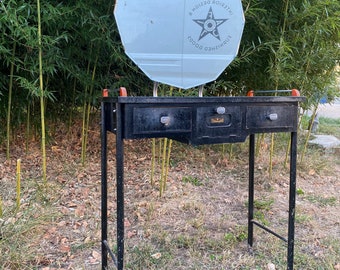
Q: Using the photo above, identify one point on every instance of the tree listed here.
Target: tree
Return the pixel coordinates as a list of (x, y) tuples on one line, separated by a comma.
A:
[(285, 44)]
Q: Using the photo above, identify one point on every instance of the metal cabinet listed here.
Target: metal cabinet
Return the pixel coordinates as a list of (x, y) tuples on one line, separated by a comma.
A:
[(196, 121)]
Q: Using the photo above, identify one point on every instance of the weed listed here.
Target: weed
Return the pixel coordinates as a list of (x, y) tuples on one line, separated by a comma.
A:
[(321, 201), (197, 223), (259, 216), (238, 234), (183, 241), (263, 204), (192, 180), (299, 191), (230, 237), (301, 218), (150, 211), (83, 246)]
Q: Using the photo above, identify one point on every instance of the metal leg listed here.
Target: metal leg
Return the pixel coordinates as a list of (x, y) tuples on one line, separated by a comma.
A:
[(200, 90), (155, 89), (103, 186), (251, 191), (292, 197), (120, 189)]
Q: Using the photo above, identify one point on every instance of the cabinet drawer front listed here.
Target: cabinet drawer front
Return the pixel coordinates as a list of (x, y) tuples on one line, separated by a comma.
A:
[(271, 117), (211, 124), (161, 120)]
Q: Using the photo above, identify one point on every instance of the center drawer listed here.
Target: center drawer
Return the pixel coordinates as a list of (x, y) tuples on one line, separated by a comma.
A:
[(218, 121)]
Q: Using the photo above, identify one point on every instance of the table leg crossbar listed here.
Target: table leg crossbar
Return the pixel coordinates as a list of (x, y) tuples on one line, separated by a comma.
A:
[(292, 198)]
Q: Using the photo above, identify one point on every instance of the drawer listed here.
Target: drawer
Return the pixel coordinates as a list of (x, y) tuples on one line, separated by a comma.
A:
[(210, 123), (271, 117), (161, 120)]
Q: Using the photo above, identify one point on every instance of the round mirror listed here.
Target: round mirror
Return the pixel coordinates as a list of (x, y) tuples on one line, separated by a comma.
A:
[(183, 43)]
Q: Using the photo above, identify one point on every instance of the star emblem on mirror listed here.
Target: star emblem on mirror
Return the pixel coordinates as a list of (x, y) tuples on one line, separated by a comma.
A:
[(210, 25)]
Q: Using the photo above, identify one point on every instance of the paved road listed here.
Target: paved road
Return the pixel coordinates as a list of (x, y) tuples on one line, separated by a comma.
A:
[(330, 110)]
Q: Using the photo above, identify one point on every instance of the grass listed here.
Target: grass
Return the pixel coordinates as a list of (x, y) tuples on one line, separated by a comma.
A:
[(322, 200), (21, 229), (182, 251), (329, 126), (315, 161), (20, 232), (302, 218), (207, 231), (202, 251), (264, 204), (147, 257)]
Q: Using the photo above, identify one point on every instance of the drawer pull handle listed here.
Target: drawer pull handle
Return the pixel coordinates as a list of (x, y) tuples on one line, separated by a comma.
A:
[(220, 110), (272, 117), (165, 120)]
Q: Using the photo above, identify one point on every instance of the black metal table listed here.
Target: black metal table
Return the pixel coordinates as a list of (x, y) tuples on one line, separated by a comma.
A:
[(196, 121)]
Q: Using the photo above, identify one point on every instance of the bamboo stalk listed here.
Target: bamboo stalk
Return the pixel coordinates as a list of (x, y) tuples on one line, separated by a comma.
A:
[(167, 164), (83, 130), (271, 155), (1, 208), (166, 155), (231, 151), (223, 149), (277, 77), (161, 182), (18, 188), (28, 130), (160, 142), (87, 121), (42, 107), (308, 134), (72, 106), (10, 90), (153, 158), (287, 152), (260, 140)]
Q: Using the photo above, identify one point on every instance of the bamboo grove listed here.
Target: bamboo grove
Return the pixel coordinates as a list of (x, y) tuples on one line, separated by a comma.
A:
[(56, 56)]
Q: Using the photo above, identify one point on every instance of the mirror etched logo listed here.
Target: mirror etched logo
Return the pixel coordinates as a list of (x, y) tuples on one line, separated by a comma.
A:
[(213, 33), (210, 25)]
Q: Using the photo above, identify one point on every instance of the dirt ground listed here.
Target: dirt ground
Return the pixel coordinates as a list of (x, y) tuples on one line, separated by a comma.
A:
[(206, 192)]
